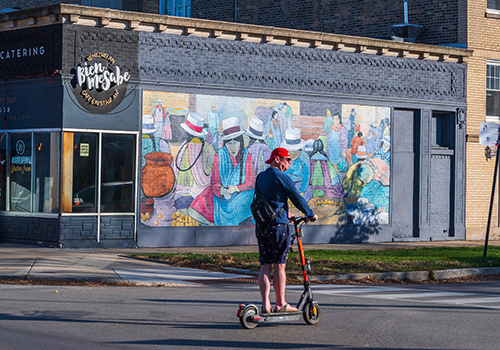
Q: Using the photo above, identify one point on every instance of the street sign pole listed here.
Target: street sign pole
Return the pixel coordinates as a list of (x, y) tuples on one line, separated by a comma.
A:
[(492, 198)]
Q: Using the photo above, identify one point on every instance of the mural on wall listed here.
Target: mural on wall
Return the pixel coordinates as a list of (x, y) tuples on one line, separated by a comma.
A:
[(202, 153)]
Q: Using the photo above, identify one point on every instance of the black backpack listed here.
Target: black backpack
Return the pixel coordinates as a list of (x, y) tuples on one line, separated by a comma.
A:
[(262, 211)]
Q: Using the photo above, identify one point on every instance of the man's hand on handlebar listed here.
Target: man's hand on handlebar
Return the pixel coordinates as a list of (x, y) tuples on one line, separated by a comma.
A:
[(313, 218)]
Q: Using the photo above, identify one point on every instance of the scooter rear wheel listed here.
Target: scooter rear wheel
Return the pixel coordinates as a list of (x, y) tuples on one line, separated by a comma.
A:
[(312, 313), (246, 318)]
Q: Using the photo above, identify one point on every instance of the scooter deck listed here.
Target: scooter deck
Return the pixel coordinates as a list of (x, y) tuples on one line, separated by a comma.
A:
[(278, 316)]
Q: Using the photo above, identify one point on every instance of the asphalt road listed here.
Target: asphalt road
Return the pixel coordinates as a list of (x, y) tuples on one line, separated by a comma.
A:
[(354, 317)]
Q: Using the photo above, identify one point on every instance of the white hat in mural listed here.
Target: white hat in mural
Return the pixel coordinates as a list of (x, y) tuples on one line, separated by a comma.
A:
[(231, 129), (361, 152), (159, 102), (194, 125), (256, 129), (293, 142), (387, 139), (308, 146), (148, 124)]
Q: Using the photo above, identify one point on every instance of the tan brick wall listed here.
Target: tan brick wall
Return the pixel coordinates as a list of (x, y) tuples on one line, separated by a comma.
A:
[(482, 37)]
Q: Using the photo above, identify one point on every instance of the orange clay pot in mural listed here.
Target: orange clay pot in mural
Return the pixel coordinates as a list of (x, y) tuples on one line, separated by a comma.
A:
[(158, 177)]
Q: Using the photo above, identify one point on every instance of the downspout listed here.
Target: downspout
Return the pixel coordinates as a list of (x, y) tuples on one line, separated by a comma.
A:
[(235, 4)]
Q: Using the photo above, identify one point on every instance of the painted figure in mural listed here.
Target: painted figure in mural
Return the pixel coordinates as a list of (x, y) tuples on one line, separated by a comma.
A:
[(161, 115), (287, 110), (214, 126), (376, 191), (227, 201), (277, 125), (337, 144), (358, 175), (149, 128), (193, 162), (328, 122), (300, 168), (351, 122), (371, 147), (325, 181), (257, 147), (383, 130), (355, 143), (275, 239)]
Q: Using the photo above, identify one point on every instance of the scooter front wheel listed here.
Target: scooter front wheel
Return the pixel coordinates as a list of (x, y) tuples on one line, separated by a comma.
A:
[(312, 313), (246, 318)]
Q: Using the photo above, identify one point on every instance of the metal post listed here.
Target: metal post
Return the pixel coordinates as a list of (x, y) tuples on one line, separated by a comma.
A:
[(406, 10), (491, 200)]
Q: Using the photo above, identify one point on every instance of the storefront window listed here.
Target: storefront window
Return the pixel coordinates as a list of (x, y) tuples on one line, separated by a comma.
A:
[(84, 172), (46, 173), (81, 185), (117, 173), (20, 172), (3, 172)]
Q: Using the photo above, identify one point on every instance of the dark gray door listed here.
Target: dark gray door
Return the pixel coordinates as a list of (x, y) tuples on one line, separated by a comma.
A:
[(404, 167)]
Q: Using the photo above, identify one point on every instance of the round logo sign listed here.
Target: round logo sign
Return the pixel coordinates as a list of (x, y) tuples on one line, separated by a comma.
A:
[(99, 83), (20, 147)]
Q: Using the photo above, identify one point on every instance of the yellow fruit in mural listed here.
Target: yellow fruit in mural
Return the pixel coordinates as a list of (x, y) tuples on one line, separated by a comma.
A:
[(147, 215), (160, 216), (156, 222)]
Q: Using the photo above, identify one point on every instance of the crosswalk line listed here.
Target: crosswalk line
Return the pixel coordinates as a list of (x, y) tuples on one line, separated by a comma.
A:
[(471, 300), (361, 290), (418, 295)]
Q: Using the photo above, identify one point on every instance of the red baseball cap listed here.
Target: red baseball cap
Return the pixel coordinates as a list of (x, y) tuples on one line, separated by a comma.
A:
[(278, 152)]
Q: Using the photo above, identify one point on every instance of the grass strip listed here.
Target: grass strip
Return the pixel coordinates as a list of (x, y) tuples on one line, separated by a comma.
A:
[(327, 262)]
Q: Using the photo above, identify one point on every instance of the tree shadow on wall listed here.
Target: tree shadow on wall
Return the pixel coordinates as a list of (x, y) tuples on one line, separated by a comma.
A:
[(355, 233), (346, 233)]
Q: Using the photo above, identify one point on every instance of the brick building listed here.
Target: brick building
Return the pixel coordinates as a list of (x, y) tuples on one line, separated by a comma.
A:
[(124, 128)]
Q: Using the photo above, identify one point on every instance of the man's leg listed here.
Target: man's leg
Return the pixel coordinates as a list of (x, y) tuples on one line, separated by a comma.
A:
[(265, 286), (279, 284)]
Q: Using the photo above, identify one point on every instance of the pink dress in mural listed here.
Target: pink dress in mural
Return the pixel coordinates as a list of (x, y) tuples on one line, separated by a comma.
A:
[(212, 208)]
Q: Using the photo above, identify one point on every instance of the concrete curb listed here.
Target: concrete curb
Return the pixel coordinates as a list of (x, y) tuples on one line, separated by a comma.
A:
[(454, 273), (418, 276), (398, 276)]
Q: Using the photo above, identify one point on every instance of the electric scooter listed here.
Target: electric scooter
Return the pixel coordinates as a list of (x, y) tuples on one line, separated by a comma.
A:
[(307, 307)]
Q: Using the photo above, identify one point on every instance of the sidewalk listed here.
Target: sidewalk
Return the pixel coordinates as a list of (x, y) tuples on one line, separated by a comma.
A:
[(20, 261)]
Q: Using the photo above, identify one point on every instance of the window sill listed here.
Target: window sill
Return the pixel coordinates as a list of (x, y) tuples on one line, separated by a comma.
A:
[(490, 13)]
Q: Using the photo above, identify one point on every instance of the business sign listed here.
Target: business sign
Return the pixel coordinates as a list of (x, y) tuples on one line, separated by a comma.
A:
[(100, 84), (30, 52)]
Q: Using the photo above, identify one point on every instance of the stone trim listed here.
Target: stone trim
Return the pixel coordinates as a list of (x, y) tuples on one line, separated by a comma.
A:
[(126, 20)]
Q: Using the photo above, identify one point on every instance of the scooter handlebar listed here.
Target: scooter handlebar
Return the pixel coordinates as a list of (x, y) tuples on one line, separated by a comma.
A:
[(298, 221)]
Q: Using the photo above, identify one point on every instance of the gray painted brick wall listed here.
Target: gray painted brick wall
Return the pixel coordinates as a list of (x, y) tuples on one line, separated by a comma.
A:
[(78, 231), (33, 230), (174, 59)]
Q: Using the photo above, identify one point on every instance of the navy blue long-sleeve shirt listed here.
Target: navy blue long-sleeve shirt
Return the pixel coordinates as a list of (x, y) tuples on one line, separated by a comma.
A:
[(278, 187)]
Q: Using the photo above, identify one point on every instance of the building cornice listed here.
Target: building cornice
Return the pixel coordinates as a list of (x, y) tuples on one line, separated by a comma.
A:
[(127, 20)]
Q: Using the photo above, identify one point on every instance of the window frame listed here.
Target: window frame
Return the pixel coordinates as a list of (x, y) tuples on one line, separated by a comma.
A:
[(489, 63), (165, 9)]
